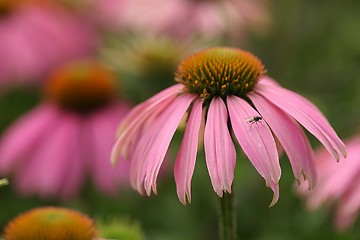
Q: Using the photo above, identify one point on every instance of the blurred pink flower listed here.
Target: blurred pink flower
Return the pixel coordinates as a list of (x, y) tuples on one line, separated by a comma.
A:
[(216, 84), (34, 38), (67, 138), (106, 13), (183, 18), (338, 182)]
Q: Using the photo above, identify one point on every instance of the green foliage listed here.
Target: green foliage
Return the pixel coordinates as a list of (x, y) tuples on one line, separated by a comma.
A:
[(117, 228)]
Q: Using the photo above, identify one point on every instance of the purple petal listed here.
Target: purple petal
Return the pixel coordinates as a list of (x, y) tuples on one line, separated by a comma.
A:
[(143, 114), (219, 149), (152, 147), (291, 137), (256, 140), (306, 114), (185, 161)]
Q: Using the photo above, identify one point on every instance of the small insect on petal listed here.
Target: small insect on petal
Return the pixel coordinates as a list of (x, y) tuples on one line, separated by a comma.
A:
[(253, 119)]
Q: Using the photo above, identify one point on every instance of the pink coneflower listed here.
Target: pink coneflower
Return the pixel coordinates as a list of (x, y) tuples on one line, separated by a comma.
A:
[(37, 35), (183, 18), (215, 85), (338, 182), (51, 223), (51, 150)]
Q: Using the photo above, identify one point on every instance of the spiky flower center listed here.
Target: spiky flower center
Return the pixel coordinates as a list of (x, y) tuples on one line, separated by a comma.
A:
[(51, 223), (7, 6), (220, 71), (81, 86)]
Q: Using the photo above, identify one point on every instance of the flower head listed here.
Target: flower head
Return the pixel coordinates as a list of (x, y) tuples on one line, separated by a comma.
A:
[(51, 223), (81, 86), (217, 85), (338, 182), (68, 136)]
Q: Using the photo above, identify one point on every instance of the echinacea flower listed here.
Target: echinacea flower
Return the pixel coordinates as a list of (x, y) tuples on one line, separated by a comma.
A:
[(37, 35), (53, 149), (338, 182), (214, 85), (184, 18), (51, 223)]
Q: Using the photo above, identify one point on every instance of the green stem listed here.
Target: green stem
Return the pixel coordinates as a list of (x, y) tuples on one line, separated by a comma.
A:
[(227, 220)]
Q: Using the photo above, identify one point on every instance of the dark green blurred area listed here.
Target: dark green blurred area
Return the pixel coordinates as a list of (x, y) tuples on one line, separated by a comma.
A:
[(313, 49)]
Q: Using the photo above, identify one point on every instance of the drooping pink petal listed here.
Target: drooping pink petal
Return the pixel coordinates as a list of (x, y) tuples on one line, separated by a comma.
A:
[(344, 220), (20, 140), (151, 103), (349, 205), (100, 129), (275, 188), (133, 123), (338, 183), (306, 114), (335, 177), (34, 39), (291, 137), (49, 164), (186, 158), (152, 147), (219, 149), (256, 140)]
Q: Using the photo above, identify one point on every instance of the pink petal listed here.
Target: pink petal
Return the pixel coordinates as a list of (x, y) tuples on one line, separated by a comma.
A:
[(291, 137), (23, 136), (268, 81), (185, 160), (152, 147), (132, 125), (344, 220), (52, 162), (306, 114), (219, 149), (349, 206), (101, 127), (255, 140), (335, 177), (275, 188)]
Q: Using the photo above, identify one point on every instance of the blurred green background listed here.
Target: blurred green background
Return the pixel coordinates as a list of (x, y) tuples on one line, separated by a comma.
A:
[(312, 48)]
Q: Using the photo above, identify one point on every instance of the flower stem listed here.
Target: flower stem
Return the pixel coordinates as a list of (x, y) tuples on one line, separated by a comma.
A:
[(227, 220)]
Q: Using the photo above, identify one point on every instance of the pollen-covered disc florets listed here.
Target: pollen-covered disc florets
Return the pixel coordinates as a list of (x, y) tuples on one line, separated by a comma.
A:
[(51, 223), (220, 71), (81, 86), (6, 7), (9, 6)]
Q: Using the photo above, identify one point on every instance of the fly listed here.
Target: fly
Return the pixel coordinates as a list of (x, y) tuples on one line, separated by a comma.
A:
[(254, 119)]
